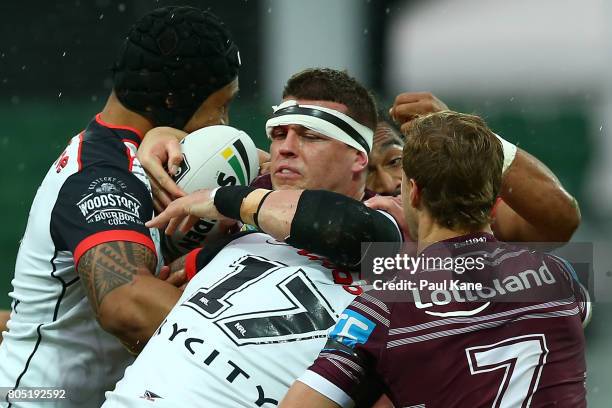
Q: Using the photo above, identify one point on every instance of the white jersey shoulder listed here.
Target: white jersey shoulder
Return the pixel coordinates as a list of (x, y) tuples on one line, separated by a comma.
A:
[(54, 339), (246, 326)]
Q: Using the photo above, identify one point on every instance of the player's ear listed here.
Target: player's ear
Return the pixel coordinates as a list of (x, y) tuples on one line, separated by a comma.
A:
[(414, 193), (361, 161)]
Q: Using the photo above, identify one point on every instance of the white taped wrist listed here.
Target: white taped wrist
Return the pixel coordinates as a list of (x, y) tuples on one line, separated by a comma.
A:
[(509, 152)]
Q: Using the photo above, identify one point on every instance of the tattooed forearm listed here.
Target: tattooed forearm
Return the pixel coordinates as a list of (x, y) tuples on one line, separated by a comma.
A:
[(112, 264), (178, 264)]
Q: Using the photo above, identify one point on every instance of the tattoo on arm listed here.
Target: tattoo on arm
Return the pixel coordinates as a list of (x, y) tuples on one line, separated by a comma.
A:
[(178, 264), (107, 266)]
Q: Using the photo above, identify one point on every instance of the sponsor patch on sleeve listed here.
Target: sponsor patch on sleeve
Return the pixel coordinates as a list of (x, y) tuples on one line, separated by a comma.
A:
[(109, 201), (352, 328)]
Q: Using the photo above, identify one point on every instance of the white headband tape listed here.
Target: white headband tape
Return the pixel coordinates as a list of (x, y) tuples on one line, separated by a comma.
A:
[(328, 122)]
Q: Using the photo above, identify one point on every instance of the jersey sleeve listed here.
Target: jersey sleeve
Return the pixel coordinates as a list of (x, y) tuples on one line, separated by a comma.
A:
[(101, 204), (353, 352), (579, 291)]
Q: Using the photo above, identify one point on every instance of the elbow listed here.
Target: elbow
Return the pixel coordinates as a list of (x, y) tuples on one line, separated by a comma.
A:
[(119, 315), (567, 224), (571, 222)]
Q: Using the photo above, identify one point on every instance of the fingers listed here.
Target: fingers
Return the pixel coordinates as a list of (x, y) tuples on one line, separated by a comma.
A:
[(391, 205), (263, 156), (264, 161), (187, 223), (198, 205), (407, 111), (177, 278), (173, 224), (164, 272), (160, 194), (264, 168), (175, 209), (409, 105), (409, 97), (157, 206), (175, 156), (382, 202), (165, 181), (160, 147)]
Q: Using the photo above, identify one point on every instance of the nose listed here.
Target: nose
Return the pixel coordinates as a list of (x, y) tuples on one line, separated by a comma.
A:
[(386, 183), (289, 146)]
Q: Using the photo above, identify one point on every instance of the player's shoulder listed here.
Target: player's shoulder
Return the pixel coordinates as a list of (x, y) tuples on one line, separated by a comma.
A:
[(102, 144), (524, 258), (372, 305)]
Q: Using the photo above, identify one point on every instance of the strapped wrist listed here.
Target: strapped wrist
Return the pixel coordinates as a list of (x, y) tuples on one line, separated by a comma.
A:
[(256, 216), (251, 205), (228, 200)]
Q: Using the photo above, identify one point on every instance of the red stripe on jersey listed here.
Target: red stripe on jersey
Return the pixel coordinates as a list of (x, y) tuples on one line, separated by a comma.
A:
[(128, 152), (108, 125), (190, 264), (110, 236), (130, 141), (80, 164), (130, 156)]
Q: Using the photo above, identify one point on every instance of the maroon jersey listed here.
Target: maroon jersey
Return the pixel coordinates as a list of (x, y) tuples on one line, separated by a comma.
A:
[(484, 353)]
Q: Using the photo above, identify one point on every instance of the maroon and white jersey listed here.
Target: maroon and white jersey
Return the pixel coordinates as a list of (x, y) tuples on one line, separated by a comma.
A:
[(94, 193), (466, 354)]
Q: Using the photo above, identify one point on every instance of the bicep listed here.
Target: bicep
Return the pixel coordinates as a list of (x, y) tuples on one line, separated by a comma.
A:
[(509, 226), (111, 265)]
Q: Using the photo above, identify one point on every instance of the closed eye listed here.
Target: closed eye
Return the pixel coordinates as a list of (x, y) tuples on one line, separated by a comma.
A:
[(279, 133)]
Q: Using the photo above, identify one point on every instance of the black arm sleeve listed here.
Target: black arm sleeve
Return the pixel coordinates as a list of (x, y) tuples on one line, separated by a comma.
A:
[(334, 226)]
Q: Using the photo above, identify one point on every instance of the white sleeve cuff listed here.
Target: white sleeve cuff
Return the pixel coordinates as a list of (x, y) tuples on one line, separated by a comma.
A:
[(588, 306), (509, 152), (327, 388)]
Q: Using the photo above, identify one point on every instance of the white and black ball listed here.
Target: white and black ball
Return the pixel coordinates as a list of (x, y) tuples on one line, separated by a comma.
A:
[(214, 156)]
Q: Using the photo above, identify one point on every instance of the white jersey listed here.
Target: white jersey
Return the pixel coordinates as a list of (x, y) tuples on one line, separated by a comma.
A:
[(95, 192), (249, 323)]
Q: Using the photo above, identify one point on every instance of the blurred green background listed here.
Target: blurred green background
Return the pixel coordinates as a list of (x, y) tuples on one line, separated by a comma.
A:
[(55, 62)]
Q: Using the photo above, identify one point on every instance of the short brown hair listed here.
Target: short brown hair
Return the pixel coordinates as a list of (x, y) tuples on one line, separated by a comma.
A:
[(456, 161), (326, 84)]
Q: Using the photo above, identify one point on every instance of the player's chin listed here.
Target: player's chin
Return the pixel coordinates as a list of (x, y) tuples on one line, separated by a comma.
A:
[(280, 182)]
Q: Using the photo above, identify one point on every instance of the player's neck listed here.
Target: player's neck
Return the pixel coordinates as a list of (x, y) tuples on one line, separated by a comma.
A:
[(356, 189), (115, 113), (430, 232)]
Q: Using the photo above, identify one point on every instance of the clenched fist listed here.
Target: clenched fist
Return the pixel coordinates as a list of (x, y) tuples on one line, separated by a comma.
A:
[(409, 105)]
